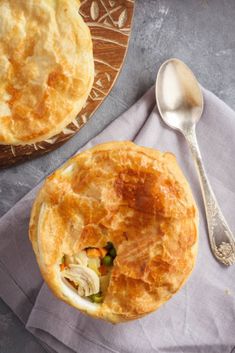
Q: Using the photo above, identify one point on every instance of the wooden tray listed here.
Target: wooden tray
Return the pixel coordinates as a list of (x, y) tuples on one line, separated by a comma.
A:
[(110, 25)]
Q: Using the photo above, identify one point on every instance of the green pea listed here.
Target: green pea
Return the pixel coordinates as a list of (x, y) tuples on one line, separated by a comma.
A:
[(107, 260), (96, 298), (113, 253)]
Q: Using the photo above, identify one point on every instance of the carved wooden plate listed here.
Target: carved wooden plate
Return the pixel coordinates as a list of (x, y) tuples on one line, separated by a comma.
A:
[(110, 25)]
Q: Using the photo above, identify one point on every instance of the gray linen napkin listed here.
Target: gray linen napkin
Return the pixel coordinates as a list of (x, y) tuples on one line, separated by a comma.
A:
[(200, 318)]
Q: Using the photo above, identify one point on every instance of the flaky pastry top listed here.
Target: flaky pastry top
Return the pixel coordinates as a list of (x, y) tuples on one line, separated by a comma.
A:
[(138, 199)]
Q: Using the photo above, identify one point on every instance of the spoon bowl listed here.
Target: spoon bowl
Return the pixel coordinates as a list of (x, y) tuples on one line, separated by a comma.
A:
[(179, 97)]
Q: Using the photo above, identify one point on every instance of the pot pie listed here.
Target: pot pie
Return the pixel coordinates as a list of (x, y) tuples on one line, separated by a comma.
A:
[(46, 68), (115, 230)]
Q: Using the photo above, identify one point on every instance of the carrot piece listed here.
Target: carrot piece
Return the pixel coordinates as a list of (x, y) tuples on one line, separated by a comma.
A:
[(93, 252), (62, 267)]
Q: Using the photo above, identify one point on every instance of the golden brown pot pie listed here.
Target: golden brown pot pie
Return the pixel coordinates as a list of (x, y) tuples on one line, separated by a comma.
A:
[(115, 230), (46, 68)]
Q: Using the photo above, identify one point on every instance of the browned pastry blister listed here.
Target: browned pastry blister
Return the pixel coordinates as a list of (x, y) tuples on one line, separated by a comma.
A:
[(138, 199)]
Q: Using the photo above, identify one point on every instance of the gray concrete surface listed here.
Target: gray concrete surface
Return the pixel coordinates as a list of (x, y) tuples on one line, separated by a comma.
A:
[(200, 32)]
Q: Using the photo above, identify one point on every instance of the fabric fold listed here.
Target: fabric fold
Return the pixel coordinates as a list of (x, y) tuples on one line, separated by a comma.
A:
[(200, 315)]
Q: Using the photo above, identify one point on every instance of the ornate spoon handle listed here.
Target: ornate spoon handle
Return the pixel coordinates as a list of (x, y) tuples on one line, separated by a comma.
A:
[(221, 238)]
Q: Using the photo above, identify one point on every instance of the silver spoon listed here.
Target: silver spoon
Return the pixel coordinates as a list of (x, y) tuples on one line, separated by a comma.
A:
[(180, 103)]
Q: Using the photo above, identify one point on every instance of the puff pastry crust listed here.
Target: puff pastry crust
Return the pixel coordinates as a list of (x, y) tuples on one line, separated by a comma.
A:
[(46, 68), (138, 199)]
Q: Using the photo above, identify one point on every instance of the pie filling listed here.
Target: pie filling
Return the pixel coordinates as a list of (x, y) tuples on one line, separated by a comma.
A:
[(88, 272)]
